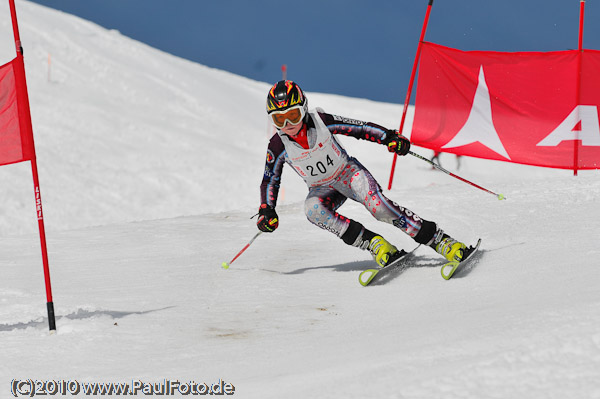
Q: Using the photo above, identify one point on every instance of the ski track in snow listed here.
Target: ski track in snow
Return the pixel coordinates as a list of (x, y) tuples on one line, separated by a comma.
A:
[(149, 184)]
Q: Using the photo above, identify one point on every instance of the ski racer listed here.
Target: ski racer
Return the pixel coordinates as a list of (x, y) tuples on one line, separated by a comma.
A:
[(305, 139)]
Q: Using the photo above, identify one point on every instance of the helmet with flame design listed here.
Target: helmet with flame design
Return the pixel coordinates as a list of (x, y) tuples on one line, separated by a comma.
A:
[(286, 95)]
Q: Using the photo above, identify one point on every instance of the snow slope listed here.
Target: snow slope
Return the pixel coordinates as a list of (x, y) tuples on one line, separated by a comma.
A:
[(150, 166)]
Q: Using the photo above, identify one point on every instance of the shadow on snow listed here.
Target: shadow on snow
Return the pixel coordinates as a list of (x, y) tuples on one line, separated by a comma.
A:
[(80, 314), (388, 274)]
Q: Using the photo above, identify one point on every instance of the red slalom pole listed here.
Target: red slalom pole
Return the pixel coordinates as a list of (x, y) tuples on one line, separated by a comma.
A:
[(579, 55), (410, 86), (25, 121), (581, 17)]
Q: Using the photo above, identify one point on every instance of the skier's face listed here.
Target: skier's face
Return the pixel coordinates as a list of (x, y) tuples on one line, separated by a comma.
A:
[(292, 130)]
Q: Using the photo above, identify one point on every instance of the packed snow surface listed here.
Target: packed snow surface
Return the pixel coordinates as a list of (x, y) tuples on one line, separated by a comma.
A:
[(150, 167)]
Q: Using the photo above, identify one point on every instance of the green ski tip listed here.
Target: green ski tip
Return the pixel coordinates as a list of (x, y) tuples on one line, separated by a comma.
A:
[(367, 276), (448, 269)]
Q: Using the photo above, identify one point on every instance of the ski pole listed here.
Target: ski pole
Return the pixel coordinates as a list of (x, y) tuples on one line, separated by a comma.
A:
[(410, 86), (438, 167), (225, 265)]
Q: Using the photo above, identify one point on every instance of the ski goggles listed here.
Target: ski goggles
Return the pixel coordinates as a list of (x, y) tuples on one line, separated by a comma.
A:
[(292, 115)]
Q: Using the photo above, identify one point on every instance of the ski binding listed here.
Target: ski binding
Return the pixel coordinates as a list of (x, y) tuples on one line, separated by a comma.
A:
[(449, 268)]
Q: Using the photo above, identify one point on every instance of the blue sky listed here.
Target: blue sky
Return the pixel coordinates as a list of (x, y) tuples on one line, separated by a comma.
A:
[(357, 48)]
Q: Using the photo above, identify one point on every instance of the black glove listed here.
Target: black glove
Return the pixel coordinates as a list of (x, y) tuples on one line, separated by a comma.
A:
[(397, 143), (267, 218)]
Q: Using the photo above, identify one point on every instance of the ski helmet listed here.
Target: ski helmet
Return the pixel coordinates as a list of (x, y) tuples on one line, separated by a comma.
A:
[(286, 94)]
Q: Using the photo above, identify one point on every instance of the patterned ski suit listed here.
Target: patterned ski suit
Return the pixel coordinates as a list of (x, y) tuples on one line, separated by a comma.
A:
[(333, 176)]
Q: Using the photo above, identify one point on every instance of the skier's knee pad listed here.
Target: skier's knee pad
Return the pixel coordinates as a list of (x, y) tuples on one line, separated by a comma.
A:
[(352, 233), (426, 233)]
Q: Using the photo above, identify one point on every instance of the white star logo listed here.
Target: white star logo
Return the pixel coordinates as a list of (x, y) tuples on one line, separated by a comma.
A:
[(479, 127)]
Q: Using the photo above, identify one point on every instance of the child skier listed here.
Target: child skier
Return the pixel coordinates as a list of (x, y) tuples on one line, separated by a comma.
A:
[(305, 140)]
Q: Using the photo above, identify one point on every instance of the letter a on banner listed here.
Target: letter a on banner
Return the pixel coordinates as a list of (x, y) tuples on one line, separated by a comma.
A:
[(16, 139), (581, 124)]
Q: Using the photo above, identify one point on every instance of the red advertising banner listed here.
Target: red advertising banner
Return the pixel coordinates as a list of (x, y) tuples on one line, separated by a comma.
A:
[(525, 107), (15, 136)]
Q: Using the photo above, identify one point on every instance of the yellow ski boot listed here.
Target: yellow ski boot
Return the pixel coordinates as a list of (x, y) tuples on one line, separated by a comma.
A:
[(383, 252), (451, 249)]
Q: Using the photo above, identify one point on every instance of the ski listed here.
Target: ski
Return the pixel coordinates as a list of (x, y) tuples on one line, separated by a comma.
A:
[(366, 276), (449, 268)]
